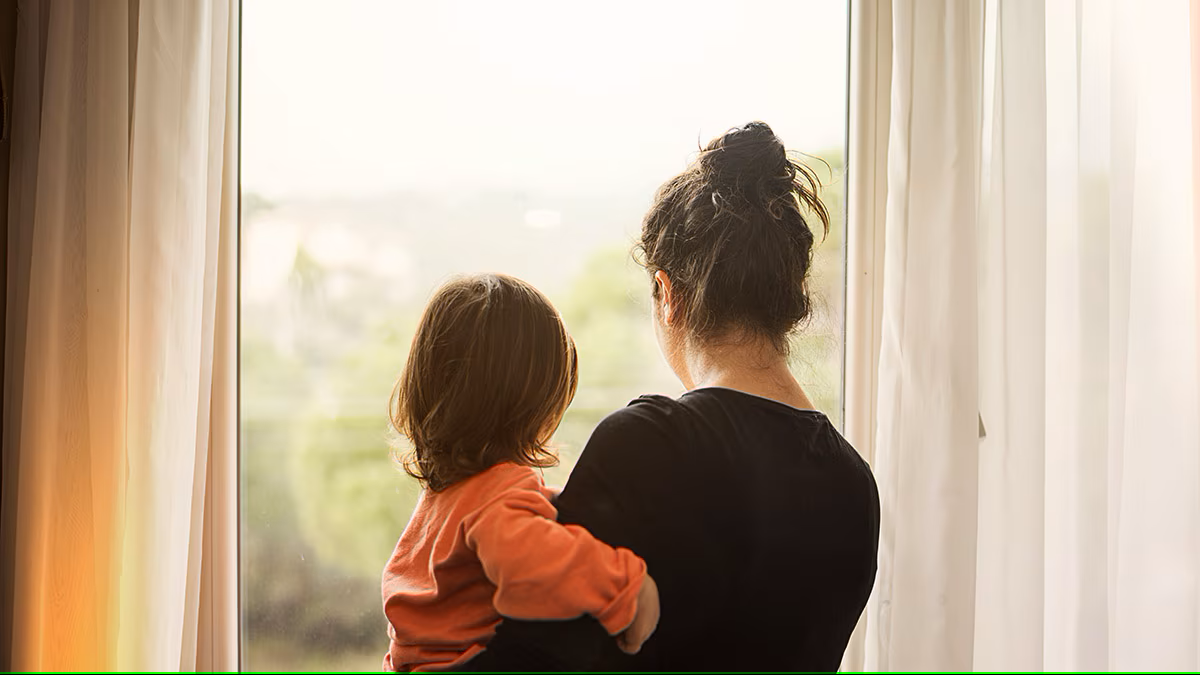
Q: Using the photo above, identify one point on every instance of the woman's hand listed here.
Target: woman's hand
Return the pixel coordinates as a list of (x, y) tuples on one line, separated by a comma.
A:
[(644, 622)]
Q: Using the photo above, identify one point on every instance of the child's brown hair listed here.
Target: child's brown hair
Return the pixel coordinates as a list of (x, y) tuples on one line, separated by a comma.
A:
[(491, 371)]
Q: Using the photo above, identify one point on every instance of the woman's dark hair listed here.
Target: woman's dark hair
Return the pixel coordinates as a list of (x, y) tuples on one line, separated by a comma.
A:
[(731, 233), (490, 373)]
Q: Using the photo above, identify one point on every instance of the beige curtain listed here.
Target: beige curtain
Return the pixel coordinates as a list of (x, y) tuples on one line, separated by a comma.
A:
[(1037, 442), (870, 95), (927, 381), (119, 405)]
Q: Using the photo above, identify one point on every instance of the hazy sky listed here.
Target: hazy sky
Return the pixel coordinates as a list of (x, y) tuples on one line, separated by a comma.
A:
[(363, 96)]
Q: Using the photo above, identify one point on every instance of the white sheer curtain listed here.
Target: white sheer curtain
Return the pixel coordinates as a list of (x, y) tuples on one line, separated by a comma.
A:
[(927, 400), (119, 405), (1038, 429), (1122, 387)]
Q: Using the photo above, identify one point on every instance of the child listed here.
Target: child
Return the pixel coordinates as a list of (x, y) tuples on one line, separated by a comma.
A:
[(490, 374)]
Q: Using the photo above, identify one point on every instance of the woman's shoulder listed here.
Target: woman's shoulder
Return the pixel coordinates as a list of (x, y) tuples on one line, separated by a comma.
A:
[(632, 440), (647, 408), (617, 481), (650, 418)]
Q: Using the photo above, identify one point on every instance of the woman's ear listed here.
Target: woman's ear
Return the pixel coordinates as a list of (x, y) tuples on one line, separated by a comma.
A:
[(665, 299)]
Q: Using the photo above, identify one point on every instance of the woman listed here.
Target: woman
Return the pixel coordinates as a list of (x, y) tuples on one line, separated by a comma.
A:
[(757, 519)]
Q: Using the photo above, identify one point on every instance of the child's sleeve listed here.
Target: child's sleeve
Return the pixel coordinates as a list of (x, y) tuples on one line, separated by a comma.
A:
[(544, 570)]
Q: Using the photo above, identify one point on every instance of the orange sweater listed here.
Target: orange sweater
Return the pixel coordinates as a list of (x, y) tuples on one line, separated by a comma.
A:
[(488, 547)]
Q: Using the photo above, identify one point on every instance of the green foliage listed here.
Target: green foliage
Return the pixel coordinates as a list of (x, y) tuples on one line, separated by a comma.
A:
[(607, 316), (352, 501), (290, 596), (363, 377), (816, 348)]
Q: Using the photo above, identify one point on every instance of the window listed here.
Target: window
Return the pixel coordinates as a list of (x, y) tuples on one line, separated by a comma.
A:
[(386, 146)]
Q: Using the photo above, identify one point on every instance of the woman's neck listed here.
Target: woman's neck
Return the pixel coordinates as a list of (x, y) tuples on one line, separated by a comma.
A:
[(754, 366)]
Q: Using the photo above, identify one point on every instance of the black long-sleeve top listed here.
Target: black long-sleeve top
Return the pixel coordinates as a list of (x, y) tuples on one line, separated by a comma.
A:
[(758, 521)]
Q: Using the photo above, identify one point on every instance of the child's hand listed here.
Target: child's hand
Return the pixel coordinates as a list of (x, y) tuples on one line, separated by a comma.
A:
[(644, 622)]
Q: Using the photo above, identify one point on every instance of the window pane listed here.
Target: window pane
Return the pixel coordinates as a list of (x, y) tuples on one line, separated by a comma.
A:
[(386, 146)]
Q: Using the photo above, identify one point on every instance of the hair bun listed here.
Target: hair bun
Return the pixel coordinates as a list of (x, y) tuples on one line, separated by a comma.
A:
[(747, 156)]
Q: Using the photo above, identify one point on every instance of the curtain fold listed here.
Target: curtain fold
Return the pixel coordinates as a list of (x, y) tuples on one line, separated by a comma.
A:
[(1154, 526), (122, 228), (66, 483), (1067, 535), (1077, 304), (218, 634), (870, 95), (1012, 341), (921, 613)]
